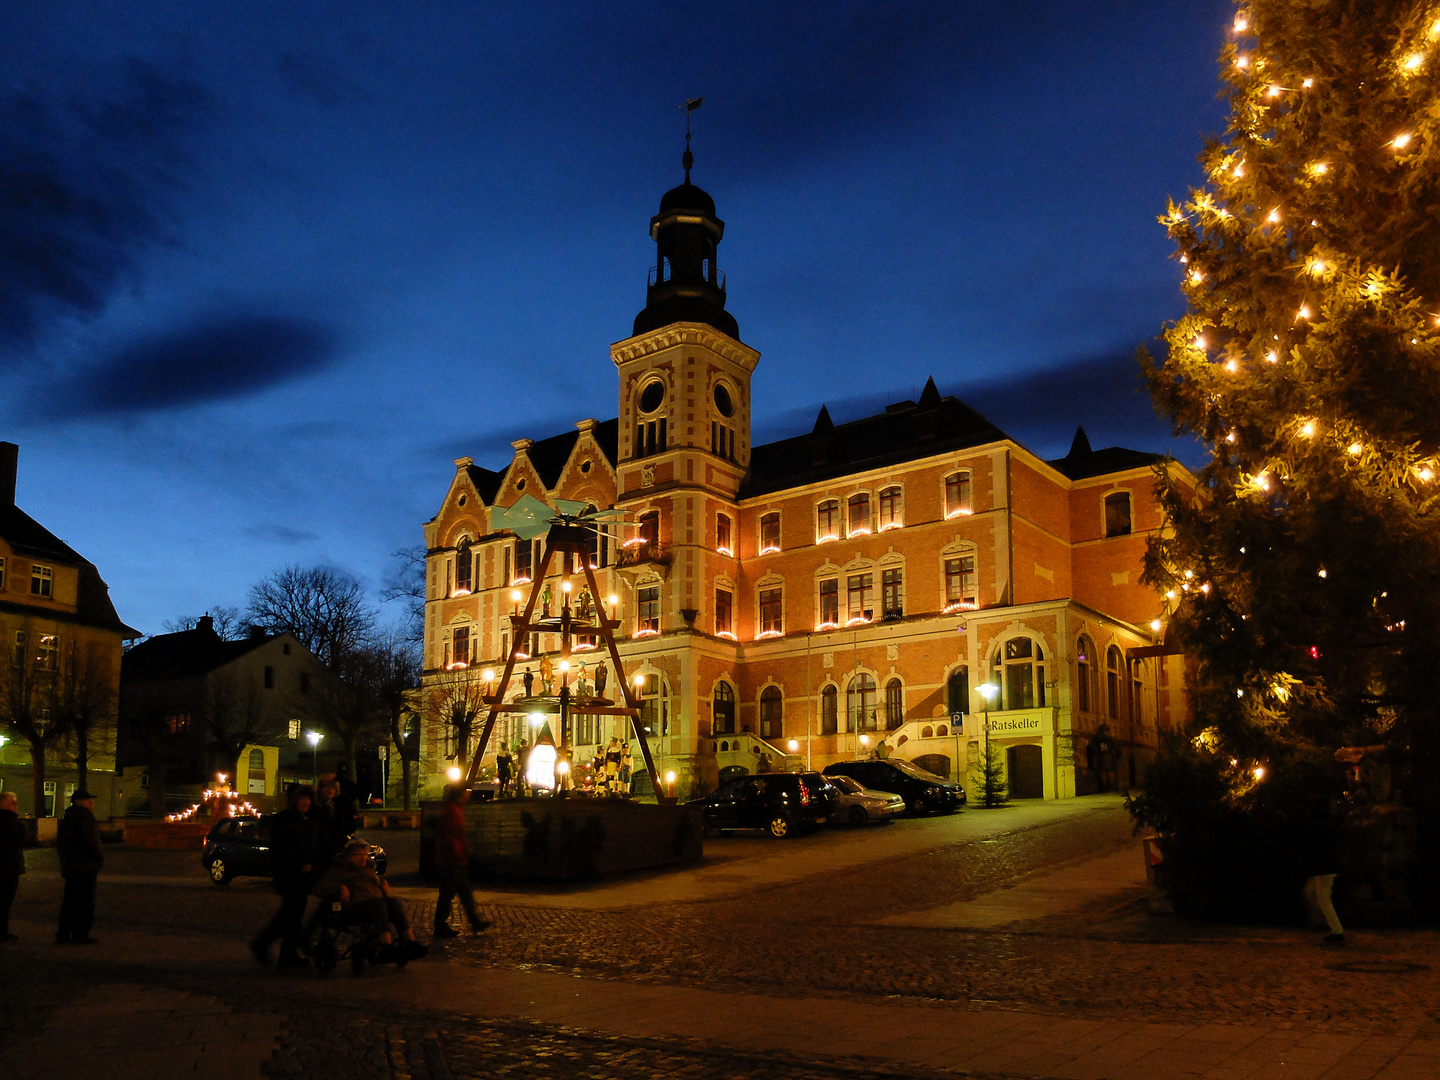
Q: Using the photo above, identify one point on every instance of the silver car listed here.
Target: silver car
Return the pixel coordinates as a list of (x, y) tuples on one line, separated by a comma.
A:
[(859, 804)]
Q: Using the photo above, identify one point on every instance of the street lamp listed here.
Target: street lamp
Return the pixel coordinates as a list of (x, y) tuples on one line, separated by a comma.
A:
[(314, 738)]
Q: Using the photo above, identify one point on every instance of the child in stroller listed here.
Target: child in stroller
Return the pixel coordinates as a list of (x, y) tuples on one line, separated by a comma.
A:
[(355, 901)]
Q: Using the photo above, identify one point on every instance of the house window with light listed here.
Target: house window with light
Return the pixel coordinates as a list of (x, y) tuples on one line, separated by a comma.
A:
[(892, 593), (723, 543), (464, 562), (724, 613), (648, 615), (894, 704), (1117, 513), (860, 703), (769, 533), (1113, 682), (461, 656), (524, 565), (960, 583), (1019, 670), (48, 654), (41, 580), (655, 707), (860, 597), (891, 512), (957, 495), (772, 613), (772, 710), (829, 603), (827, 521), (649, 529), (829, 710), (858, 514)]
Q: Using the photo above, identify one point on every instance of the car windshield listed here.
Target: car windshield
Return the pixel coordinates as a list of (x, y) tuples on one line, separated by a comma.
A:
[(916, 772), (845, 783)]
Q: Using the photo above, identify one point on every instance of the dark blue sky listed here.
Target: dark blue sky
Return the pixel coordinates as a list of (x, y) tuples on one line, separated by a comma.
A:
[(265, 268)]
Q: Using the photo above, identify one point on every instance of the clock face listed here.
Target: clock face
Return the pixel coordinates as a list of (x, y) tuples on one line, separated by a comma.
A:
[(723, 401), (652, 396)]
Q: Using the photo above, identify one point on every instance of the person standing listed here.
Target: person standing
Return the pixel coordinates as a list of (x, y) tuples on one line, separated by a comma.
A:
[(12, 859), (78, 841), (504, 765), (627, 767), (293, 868), (452, 859)]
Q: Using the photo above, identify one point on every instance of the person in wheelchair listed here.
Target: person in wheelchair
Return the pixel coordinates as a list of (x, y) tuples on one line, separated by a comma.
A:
[(366, 902)]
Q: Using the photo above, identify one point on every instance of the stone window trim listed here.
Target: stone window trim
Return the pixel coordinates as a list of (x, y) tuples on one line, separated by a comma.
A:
[(42, 580), (862, 706), (769, 533), (829, 711), (959, 586), (724, 533), (829, 522), (894, 703), (1087, 670), (858, 517), (770, 709), (957, 491), (890, 509), (1117, 510), (769, 623), (724, 609), (1024, 680), (1114, 682)]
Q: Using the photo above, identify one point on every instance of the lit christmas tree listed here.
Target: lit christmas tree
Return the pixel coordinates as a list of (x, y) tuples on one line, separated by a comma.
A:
[(1305, 578)]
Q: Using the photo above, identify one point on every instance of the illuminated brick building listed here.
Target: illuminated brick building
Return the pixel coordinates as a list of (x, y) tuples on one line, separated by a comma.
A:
[(809, 598)]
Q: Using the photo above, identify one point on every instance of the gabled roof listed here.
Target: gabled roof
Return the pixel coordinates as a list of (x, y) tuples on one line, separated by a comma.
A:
[(549, 456), (1082, 463), (93, 606), (187, 654), (903, 432)]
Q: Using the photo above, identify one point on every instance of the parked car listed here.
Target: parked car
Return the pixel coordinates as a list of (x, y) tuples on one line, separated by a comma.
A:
[(857, 804), (780, 803), (923, 792), (240, 847)]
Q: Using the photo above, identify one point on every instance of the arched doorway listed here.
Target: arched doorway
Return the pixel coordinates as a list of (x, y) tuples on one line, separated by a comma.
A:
[(1026, 772)]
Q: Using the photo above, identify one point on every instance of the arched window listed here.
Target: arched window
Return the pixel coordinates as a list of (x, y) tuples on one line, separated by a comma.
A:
[(649, 530), (769, 533), (1137, 693), (724, 544), (461, 656), (891, 513), (724, 709), (1113, 683), (827, 521), (463, 564), (654, 707), (858, 514), (1085, 671), (957, 691), (257, 761), (829, 710), (860, 703), (957, 494), (772, 709), (894, 704), (1020, 672), (1117, 513)]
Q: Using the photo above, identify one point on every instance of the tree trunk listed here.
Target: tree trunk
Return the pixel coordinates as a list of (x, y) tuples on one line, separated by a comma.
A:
[(405, 778), (82, 756), (37, 774)]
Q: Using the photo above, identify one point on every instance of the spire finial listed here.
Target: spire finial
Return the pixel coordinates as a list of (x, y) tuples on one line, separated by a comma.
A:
[(688, 160)]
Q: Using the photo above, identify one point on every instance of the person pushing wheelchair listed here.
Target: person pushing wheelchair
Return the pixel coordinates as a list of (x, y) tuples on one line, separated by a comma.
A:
[(366, 901)]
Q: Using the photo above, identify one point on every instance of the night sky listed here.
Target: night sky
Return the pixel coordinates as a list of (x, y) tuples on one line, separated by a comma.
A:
[(266, 268)]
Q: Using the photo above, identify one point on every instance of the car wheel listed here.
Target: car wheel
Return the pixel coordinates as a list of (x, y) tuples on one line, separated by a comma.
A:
[(858, 815), (779, 826), (220, 874), (917, 805)]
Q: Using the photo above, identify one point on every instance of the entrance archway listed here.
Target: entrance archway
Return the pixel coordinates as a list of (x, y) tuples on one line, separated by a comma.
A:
[(1026, 769)]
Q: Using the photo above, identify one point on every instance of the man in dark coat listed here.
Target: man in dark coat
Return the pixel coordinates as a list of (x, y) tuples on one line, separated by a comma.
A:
[(12, 859), (452, 859), (293, 854), (78, 842)]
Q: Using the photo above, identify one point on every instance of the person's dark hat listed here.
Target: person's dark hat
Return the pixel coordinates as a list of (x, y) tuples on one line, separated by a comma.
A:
[(80, 793)]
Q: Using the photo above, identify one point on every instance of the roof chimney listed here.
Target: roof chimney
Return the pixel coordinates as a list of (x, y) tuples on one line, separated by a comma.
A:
[(205, 622), (9, 462)]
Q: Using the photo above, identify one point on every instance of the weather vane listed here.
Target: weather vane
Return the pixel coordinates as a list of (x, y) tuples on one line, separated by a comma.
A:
[(691, 104)]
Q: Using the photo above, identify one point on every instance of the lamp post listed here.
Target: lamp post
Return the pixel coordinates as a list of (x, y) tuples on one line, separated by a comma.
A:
[(988, 692), (314, 738)]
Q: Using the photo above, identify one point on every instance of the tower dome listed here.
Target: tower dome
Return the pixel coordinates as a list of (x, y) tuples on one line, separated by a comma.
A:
[(685, 284)]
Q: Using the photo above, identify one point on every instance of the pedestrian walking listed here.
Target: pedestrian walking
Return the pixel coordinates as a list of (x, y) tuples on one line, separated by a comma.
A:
[(1321, 855), (12, 859), (292, 868), (78, 842), (452, 858)]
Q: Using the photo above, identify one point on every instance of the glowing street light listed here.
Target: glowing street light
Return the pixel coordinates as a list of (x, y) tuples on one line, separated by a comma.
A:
[(314, 737)]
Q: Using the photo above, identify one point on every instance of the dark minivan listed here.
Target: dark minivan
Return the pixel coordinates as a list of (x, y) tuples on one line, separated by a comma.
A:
[(780, 803), (923, 792)]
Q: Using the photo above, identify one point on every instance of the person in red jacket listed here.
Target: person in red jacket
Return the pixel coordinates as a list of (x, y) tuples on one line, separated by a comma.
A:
[(452, 858)]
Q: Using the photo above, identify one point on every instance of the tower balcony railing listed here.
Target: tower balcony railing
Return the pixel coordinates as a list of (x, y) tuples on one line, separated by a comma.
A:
[(661, 274)]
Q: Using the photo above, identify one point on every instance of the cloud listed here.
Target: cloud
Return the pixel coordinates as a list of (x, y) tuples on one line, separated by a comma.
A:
[(228, 357), (279, 534), (87, 184)]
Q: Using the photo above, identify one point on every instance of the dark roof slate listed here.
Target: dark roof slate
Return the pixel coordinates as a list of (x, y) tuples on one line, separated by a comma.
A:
[(187, 654), (549, 456), (1082, 463), (93, 606)]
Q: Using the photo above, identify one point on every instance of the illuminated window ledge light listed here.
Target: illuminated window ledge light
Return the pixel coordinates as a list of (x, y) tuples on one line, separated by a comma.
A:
[(522, 656), (634, 541), (647, 632), (461, 592), (521, 581), (891, 525), (826, 539), (859, 620), (962, 512), (582, 646), (726, 634), (457, 665), (827, 626), (725, 551), (769, 550), (960, 605), (764, 634), (862, 531)]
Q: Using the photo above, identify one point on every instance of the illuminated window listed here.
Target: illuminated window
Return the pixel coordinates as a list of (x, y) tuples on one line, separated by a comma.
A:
[(892, 593), (772, 711), (894, 704), (293, 729), (1019, 670), (464, 561), (860, 703), (461, 654), (772, 617), (178, 723), (960, 583), (858, 514), (48, 653), (891, 511), (724, 616), (827, 521), (1117, 513), (829, 710), (524, 564), (860, 597), (769, 533), (957, 494), (649, 527), (655, 707), (41, 580), (722, 535), (1085, 670), (648, 616), (830, 602)]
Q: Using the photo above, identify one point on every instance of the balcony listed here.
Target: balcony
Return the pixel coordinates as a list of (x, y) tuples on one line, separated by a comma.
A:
[(660, 275), (642, 553)]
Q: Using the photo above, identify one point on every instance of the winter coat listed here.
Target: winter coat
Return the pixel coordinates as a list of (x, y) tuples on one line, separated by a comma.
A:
[(78, 842), (450, 849), (293, 848), (363, 883), (12, 843)]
